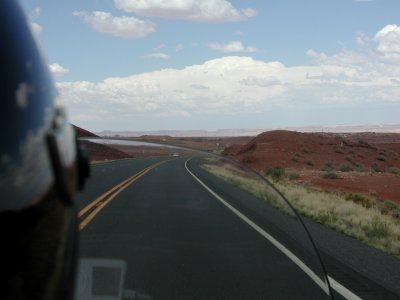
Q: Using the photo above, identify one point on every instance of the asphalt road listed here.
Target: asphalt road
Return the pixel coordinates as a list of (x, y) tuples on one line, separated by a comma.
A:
[(151, 224)]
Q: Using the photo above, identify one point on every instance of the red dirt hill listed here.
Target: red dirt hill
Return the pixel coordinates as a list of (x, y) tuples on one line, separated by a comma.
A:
[(312, 151), (369, 168), (82, 132), (99, 152)]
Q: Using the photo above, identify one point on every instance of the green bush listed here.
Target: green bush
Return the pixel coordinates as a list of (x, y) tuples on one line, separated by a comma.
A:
[(389, 208), (375, 168), (393, 170), (338, 150), (276, 173), (309, 162), (377, 229), (359, 168), (381, 157), (327, 167), (292, 175), (359, 199), (330, 175), (346, 168)]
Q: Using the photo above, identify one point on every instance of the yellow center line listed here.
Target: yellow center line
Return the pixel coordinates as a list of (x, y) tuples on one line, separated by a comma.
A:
[(89, 206), (117, 189)]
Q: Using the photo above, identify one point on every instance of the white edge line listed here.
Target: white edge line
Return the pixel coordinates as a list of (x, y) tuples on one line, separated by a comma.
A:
[(342, 290), (334, 284)]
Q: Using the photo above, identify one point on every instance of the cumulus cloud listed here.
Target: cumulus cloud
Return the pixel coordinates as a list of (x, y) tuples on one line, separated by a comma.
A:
[(58, 70), (126, 27), (212, 87), (158, 55), (362, 39), (235, 46), (228, 86), (260, 81), (199, 87), (193, 10), (388, 39), (178, 48), (35, 28), (238, 32), (236, 85)]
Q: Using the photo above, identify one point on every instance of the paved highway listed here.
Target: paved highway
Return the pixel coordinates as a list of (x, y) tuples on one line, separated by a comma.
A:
[(165, 234)]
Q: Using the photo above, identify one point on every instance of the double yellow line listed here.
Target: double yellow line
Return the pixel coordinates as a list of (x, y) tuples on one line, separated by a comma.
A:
[(90, 211)]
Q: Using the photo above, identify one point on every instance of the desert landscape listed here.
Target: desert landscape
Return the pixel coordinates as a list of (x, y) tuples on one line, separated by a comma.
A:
[(346, 181), (366, 163)]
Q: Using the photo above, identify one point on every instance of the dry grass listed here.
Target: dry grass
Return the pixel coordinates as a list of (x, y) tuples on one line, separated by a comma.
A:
[(368, 224), (247, 182)]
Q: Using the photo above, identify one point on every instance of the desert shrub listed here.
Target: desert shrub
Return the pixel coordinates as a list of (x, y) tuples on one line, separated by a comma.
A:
[(377, 229), (345, 168), (327, 217), (304, 150), (275, 173), (359, 168), (327, 167), (375, 168), (393, 170), (359, 199), (295, 159), (381, 157), (309, 163), (338, 150), (364, 143), (292, 174), (389, 208), (330, 175)]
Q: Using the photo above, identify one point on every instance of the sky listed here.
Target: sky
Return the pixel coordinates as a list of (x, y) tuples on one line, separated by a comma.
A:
[(218, 64)]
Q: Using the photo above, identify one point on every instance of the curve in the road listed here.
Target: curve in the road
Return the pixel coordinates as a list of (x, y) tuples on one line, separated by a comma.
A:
[(89, 212)]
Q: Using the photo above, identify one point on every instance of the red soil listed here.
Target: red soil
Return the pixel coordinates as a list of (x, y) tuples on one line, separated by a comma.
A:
[(82, 132), (308, 153), (98, 152)]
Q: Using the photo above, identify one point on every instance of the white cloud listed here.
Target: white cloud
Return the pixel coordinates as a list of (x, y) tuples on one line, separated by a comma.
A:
[(58, 70), (158, 47), (315, 55), (235, 46), (362, 39), (194, 10), (388, 39), (235, 86), (260, 81), (36, 12), (126, 27), (178, 48), (35, 28), (238, 32), (228, 86), (156, 55), (211, 88)]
